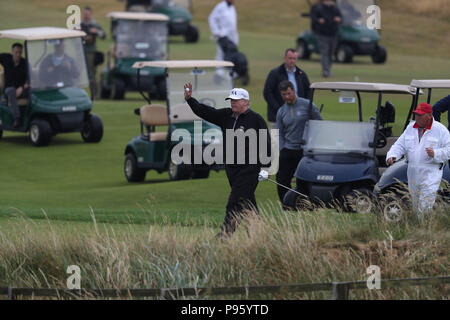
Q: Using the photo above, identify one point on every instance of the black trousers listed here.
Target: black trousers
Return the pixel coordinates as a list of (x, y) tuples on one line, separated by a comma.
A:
[(243, 181), (289, 160)]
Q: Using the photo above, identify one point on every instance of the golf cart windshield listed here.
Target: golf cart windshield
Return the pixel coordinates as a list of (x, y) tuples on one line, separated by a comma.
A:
[(338, 136), (354, 12), (141, 39), (186, 4), (57, 63), (209, 86)]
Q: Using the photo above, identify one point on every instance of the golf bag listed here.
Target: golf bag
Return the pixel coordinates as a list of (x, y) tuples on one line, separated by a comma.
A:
[(232, 54)]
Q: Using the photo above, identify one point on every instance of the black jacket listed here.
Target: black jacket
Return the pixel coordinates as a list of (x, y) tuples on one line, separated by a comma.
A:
[(15, 76), (330, 27), (272, 94), (226, 119)]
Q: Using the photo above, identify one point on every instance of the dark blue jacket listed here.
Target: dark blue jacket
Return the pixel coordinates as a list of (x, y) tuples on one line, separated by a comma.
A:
[(328, 13), (272, 93), (440, 107)]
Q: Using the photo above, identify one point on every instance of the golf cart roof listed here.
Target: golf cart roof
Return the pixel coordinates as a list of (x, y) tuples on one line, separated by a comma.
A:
[(138, 16), (41, 33), (441, 83), (173, 64), (363, 87)]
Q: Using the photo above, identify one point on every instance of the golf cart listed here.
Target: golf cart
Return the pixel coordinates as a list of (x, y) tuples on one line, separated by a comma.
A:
[(393, 182), (152, 149), (57, 77), (137, 37), (340, 163), (354, 37), (178, 11)]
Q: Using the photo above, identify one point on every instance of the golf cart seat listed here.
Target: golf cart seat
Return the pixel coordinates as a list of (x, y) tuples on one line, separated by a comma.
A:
[(155, 115), (20, 102), (182, 113)]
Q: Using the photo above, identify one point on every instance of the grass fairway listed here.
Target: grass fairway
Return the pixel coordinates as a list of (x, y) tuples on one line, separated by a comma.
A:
[(69, 177)]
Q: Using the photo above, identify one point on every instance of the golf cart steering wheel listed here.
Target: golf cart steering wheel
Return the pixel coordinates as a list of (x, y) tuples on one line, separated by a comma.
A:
[(208, 102), (381, 140)]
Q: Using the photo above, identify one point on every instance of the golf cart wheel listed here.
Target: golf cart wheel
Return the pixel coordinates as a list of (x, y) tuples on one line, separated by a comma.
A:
[(118, 89), (105, 93), (379, 55), (200, 174), (179, 171), (359, 200), (40, 132), (302, 50), (393, 209), (344, 54), (1, 133), (92, 130), (191, 34), (296, 202), (131, 170)]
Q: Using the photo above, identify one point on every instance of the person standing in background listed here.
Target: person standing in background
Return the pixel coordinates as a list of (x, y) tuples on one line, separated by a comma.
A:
[(223, 23), (92, 30), (287, 71), (326, 18), (291, 121)]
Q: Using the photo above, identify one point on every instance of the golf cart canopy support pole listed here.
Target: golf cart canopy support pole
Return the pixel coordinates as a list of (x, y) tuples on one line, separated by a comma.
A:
[(359, 106), (415, 99), (139, 87), (377, 119), (429, 96)]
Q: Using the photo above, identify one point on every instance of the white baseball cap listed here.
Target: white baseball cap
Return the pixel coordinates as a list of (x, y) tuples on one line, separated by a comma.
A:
[(238, 94)]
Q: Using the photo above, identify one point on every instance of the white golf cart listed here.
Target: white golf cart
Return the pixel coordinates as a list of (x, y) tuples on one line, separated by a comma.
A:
[(152, 149)]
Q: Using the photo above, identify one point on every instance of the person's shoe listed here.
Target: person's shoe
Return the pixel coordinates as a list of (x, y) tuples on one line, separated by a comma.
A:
[(325, 74)]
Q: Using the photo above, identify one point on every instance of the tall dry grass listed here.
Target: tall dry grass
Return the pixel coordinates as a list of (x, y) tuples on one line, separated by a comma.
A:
[(275, 248)]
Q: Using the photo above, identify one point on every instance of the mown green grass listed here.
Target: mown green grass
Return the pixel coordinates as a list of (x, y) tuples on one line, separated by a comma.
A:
[(69, 177)]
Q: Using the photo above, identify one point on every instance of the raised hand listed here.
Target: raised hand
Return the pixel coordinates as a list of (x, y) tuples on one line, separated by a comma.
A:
[(187, 91)]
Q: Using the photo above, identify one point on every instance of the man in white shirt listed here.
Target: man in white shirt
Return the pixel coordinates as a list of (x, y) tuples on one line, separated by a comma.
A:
[(223, 23), (426, 144)]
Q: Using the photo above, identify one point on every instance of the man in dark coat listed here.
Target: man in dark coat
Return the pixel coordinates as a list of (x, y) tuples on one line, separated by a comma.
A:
[(242, 175), (16, 79), (287, 71), (326, 17), (441, 106)]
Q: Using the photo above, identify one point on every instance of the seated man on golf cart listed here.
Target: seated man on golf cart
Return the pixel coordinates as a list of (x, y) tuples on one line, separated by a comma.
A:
[(58, 69), (349, 12), (15, 81)]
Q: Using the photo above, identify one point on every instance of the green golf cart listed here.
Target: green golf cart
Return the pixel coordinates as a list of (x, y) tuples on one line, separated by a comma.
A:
[(178, 11), (137, 37), (57, 77), (176, 126), (354, 37)]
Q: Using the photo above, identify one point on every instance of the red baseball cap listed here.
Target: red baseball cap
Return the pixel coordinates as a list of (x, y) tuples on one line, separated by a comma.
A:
[(423, 108)]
